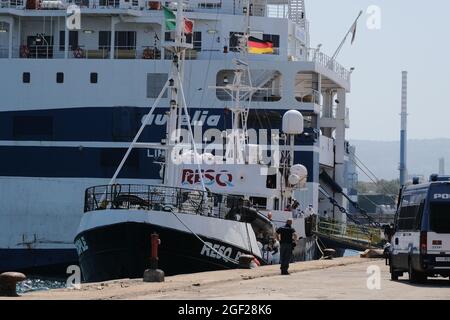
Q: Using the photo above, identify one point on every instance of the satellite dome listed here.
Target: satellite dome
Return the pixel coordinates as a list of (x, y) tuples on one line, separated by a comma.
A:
[(293, 122), (299, 170)]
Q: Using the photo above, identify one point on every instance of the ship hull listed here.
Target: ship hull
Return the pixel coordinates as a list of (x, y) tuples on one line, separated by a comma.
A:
[(124, 251), (116, 244), (38, 261)]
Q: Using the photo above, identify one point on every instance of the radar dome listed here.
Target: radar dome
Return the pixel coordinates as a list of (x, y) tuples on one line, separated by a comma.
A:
[(293, 122), (293, 179), (299, 170)]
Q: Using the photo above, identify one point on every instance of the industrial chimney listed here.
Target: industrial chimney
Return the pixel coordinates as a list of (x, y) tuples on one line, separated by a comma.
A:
[(403, 129), (442, 167)]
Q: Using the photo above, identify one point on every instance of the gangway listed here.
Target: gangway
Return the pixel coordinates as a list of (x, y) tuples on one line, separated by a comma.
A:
[(351, 235), (348, 236)]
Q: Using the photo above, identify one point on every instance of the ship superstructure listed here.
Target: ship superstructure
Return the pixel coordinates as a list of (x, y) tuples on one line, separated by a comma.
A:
[(72, 101)]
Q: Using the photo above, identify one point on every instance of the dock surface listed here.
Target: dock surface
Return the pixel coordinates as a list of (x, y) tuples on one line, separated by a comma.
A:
[(343, 278)]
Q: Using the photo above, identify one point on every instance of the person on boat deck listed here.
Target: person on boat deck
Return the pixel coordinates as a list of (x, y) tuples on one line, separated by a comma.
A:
[(286, 235), (310, 211), (296, 211)]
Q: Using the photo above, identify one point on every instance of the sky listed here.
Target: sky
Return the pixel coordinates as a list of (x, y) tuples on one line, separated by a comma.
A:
[(413, 36)]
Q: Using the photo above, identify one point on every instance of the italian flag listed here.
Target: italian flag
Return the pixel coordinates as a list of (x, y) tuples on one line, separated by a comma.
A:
[(171, 21)]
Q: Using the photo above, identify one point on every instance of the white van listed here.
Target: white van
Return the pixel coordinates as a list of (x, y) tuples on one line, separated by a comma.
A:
[(421, 240)]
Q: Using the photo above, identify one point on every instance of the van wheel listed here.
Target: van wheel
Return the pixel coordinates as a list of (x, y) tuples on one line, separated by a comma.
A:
[(394, 274), (415, 276)]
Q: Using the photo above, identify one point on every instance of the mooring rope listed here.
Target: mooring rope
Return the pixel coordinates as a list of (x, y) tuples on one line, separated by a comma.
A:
[(205, 243)]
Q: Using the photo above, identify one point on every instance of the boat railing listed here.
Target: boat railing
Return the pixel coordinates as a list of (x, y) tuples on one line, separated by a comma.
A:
[(207, 6), (315, 55), (349, 232), (163, 198), (4, 51), (14, 4), (82, 52)]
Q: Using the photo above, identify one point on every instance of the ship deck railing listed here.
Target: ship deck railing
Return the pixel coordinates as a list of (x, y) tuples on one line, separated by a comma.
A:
[(163, 198), (147, 5), (314, 55), (83, 52)]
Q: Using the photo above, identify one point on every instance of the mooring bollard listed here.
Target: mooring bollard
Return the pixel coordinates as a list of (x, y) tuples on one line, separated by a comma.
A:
[(245, 261), (154, 274), (8, 281), (329, 254)]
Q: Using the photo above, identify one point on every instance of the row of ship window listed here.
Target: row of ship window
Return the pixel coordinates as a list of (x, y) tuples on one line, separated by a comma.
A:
[(26, 77)]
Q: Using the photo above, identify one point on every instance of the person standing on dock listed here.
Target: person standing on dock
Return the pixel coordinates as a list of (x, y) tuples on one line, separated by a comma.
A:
[(287, 236)]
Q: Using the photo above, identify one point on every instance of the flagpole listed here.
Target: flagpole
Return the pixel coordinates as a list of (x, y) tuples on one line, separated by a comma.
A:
[(345, 38)]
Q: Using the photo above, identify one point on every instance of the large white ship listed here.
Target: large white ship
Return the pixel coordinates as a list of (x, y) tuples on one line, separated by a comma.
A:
[(71, 102)]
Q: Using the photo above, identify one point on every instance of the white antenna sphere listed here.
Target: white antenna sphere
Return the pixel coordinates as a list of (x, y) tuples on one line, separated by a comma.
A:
[(299, 170), (293, 179), (293, 122)]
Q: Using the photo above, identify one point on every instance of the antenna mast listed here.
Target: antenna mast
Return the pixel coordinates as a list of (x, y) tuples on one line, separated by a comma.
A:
[(237, 139), (338, 50)]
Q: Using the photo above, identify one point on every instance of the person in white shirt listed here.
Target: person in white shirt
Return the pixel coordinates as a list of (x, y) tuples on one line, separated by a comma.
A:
[(310, 211), (296, 211)]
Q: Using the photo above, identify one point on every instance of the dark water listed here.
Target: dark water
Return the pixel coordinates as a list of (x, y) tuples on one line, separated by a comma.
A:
[(351, 253), (39, 283)]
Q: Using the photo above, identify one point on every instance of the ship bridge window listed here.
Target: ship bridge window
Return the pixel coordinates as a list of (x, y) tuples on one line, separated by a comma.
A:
[(155, 83), (40, 46), (73, 40), (271, 181), (32, 127), (208, 5), (259, 202), (124, 40), (169, 36), (104, 40), (270, 82), (196, 40)]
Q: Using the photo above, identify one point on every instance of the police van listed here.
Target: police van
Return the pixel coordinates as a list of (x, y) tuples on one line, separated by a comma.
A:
[(421, 240)]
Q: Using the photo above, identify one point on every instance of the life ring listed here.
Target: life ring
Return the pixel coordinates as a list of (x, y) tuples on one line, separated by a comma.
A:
[(24, 51), (147, 53), (78, 53)]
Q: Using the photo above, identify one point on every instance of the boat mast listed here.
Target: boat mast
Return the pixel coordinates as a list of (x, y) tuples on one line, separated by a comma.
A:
[(174, 91), (174, 86), (237, 139)]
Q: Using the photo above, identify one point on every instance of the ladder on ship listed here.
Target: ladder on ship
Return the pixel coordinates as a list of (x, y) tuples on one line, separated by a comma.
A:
[(297, 12)]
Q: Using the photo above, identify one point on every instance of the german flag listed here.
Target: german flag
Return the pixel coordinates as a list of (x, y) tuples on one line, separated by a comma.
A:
[(257, 46)]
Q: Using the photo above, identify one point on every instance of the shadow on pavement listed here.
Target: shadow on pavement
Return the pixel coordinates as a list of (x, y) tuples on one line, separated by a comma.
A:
[(430, 283)]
